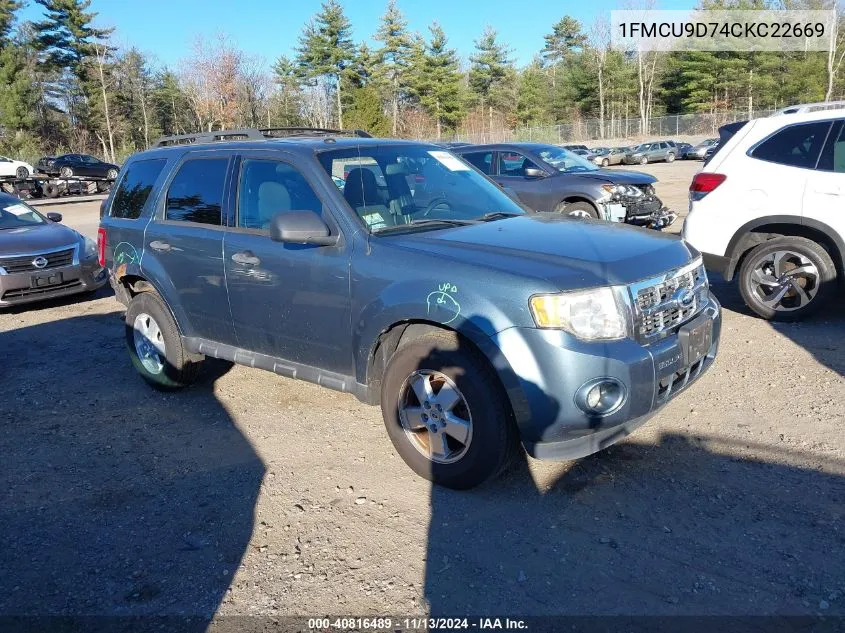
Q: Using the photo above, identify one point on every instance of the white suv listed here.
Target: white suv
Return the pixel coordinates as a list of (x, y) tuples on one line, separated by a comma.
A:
[(769, 207)]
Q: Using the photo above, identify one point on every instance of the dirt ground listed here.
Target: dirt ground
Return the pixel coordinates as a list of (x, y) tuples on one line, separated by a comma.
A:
[(254, 494)]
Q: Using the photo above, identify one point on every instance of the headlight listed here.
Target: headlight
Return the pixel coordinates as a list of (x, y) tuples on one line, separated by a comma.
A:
[(620, 189), (597, 314), (90, 248)]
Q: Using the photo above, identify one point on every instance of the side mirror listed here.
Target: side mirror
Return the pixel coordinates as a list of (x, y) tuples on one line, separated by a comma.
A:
[(54, 217), (301, 227), (533, 172)]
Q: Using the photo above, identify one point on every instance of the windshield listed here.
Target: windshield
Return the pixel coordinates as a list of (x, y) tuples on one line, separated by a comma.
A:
[(564, 160), (394, 186), (15, 214)]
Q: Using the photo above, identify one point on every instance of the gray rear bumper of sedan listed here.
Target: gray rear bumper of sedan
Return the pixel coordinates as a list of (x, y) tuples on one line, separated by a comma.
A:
[(20, 288)]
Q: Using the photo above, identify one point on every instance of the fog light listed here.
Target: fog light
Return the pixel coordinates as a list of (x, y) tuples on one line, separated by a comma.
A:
[(600, 396)]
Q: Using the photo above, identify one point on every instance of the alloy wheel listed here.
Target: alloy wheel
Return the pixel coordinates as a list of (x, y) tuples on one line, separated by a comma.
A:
[(149, 343), (785, 280), (435, 416)]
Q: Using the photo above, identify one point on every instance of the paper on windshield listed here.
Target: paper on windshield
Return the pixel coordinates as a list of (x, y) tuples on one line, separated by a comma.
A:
[(449, 161), (17, 209)]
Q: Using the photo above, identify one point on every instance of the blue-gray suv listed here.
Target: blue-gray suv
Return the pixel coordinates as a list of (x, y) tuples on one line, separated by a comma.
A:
[(396, 271)]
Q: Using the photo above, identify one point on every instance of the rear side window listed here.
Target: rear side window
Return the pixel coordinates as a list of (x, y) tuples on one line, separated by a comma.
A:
[(135, 188), (196, 192), (833, 154), (483, 161), (796, 145)]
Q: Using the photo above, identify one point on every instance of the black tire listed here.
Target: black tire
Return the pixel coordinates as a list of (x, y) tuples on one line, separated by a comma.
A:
[(494, 438), (577, 209), (180, 367), (605, 162), (66, 172), (822, 285), (51, 190), (22, 173)]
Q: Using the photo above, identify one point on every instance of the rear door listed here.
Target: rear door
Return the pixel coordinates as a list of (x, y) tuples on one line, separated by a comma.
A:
[(289, 301), (183, 245), (824, 195)]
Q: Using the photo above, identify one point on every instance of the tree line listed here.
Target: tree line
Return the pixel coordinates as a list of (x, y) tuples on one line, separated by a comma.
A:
[(64, 85)]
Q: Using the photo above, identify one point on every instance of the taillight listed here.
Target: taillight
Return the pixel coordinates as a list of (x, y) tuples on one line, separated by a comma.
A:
[(101, 246), (703, 183)]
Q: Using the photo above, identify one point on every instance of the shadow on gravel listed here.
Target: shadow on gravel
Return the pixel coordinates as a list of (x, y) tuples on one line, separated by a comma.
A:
[(116, 499), (820, 334), (680, 527)]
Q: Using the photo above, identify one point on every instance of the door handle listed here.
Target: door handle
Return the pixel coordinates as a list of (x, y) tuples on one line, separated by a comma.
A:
[(246, 258), (160, 246), (832, 190)]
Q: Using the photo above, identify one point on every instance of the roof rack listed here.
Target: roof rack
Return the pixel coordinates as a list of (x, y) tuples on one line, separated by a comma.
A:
[(810, 107), (253, 134)]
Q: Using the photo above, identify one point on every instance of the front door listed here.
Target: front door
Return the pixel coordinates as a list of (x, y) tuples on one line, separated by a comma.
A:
[(183, 246), (511, 174), (289, 301)]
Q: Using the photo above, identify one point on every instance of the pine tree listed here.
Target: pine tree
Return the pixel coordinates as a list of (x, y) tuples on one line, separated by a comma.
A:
[(437, 79), (393, 57), (532, 95), (7, 17), (325, 50), (489, 70), (67, 36)]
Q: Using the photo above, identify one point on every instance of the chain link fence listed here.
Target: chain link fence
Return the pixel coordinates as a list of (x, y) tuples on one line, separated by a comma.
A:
[(584, 130)]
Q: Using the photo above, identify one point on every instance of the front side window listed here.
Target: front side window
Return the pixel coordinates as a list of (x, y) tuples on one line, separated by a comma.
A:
[(16, 214), (196, 192), (411, 185), (796, 145), (268, 187), (135, 188), (833, 154), (514, 164)]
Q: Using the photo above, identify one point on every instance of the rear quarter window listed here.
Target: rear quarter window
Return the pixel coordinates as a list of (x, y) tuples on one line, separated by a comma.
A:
[(135, 187)]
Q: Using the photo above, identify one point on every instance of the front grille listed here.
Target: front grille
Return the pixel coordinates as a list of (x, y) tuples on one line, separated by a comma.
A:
[(658, 305), (23, 263), (676, 382), (20, 293)]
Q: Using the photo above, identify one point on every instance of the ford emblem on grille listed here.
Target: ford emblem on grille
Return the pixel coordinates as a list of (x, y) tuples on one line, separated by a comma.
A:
[(40, 262), (684, 297)]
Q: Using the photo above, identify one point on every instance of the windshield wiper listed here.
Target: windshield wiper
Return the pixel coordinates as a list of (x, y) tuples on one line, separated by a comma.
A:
[(498, 215), (432, 223)]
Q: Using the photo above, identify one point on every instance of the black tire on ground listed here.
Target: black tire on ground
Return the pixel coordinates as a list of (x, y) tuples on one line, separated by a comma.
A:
[(66, 172), (605, 162), (644, 160), (22, 172), (802, 246), (577, 209), (494, 439), (180, 367), (51, 190)]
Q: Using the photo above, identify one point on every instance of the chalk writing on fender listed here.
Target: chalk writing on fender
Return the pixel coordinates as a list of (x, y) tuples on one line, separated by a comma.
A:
[(442, 305)]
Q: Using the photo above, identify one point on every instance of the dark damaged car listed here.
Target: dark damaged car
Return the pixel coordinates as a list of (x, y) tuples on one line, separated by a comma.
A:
[(42, 259), (419, 286), (552, 178)]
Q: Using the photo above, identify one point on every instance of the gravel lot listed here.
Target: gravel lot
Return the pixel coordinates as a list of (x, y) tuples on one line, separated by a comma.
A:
[(254, 494)]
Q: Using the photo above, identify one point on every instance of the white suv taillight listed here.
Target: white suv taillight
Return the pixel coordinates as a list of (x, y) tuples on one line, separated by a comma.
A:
[(704, 183)]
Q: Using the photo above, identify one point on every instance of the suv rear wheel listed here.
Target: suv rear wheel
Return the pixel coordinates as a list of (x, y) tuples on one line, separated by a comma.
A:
[(446, 413), (787, 278), (155, 346)]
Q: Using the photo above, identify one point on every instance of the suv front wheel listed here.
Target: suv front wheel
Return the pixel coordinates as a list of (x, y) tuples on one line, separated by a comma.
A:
[(154, 344), (787, 278), (446, 412)]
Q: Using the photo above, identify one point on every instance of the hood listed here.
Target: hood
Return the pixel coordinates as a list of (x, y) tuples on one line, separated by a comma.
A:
[(617, 177), (39, 237), (568, 253)]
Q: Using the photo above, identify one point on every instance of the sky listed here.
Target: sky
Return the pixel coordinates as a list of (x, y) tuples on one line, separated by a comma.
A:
[(269, 28)]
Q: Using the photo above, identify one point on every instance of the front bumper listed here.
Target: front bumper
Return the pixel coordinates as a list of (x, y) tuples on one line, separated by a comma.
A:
[(550, 366), (18, 288)]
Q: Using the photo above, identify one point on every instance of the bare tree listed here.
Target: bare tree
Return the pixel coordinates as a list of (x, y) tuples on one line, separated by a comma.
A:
[(599, 44), (834, 55), (100, 53), (210, 78)]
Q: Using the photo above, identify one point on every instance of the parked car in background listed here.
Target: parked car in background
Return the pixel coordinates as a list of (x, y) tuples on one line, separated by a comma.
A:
[(14, 168), (767, 209), (572, 148), (550, 178), (683, 150), (606, 156), (699, 150), (42, 259), (710, 151), (70, 165), (586, 154), (474, 324), (651, 153)]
